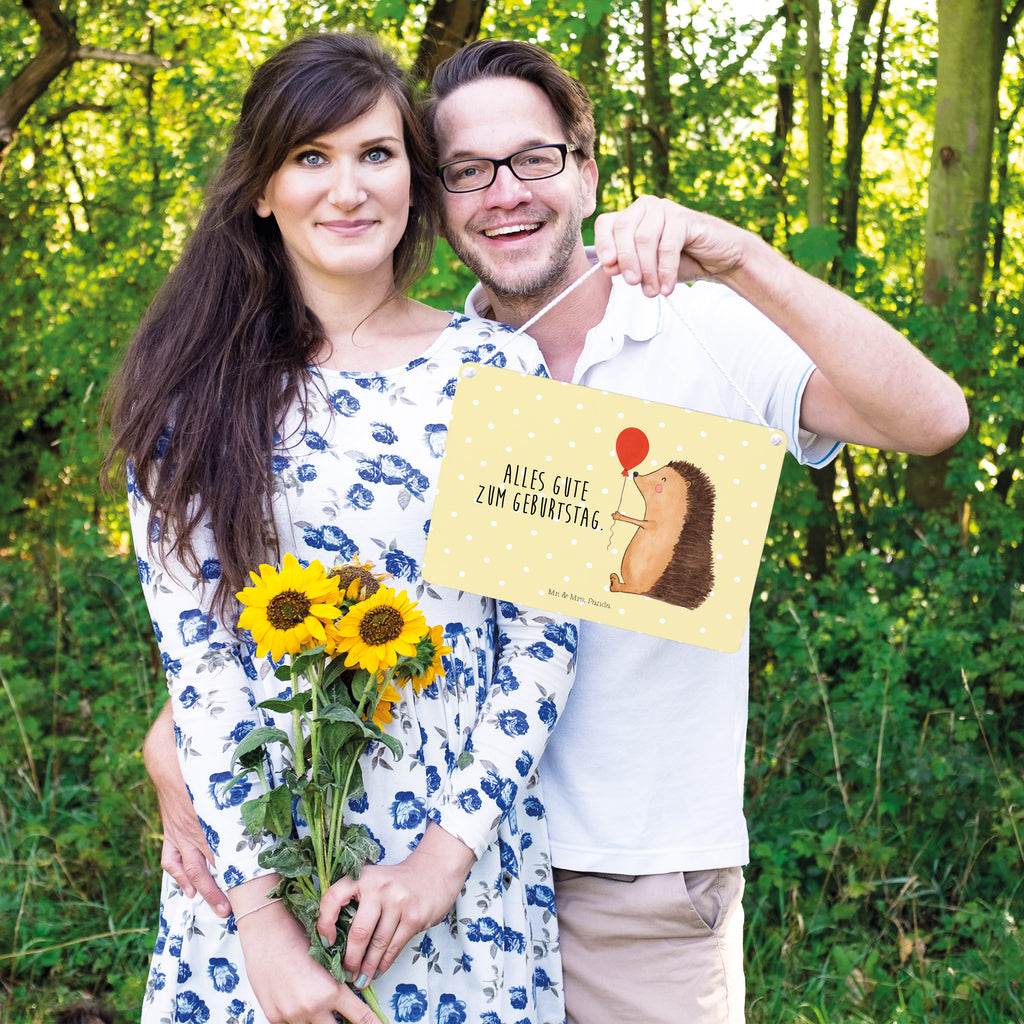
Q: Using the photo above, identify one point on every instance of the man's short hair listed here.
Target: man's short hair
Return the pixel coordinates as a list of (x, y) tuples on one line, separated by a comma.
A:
[(508, 58)]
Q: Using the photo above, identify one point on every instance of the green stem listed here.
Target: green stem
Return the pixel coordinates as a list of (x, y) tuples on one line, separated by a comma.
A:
[(308, 888), (298, 744), (315, 805), (336, 814), (338, 808), (373, 1002), (344, 792)]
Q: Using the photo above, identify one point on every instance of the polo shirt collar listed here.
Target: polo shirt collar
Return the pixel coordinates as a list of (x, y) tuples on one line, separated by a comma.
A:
[(629, 314)]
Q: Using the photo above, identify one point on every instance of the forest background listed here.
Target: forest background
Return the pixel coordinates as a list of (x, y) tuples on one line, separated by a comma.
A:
[(879, 145)]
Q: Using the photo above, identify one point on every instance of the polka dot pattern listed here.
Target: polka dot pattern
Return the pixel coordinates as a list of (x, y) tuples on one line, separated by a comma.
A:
[(531, 480)]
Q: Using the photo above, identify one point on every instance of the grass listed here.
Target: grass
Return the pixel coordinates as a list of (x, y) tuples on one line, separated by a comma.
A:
[(79, 869), (884, 795)]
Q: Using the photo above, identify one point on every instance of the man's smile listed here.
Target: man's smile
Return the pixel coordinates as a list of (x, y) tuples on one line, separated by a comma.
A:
[(512, 229)]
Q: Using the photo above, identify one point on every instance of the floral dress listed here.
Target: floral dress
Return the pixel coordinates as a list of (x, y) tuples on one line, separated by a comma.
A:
[(354, 473)]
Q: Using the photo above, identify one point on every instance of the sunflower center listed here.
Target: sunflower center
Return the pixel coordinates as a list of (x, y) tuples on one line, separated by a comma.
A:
[(287, 609), (368, 583), (381, 626)]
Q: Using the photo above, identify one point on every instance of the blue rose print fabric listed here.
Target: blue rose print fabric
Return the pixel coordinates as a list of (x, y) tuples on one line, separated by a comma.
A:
[(355, 471)]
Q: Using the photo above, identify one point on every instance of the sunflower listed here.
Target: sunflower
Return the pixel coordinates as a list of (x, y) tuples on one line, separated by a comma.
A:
[(287, 610), (366, 581), (382, 713), (427, 665), (436, 666), (376, 631)]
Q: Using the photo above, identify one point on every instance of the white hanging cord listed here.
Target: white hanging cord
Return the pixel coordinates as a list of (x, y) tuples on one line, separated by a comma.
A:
[(558, 298), (682, 319), (721, 369)]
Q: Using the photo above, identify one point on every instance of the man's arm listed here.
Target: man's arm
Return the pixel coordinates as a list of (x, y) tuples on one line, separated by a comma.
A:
[(872, 387), (186, 854)]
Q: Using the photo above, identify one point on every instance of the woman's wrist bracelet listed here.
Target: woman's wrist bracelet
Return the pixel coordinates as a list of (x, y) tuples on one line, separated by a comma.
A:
[(252, 910)]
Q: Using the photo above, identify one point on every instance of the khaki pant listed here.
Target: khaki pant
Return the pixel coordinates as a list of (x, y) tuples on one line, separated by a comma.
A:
[(652, 949)]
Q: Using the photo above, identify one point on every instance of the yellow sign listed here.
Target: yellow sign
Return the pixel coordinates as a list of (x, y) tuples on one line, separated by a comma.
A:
[(602, 507)]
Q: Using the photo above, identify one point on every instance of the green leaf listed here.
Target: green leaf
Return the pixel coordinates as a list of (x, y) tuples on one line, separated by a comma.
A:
[(376, 732), (342, 740), (392, 10), (290, 859), (340, 713), (305, 660), (594, 11), (355, 851), (361, 683), (357, 838), (254, 742), (254, 813), (330, 955), (269, 812), (278, 820), (357, 781), (301, 701), (395, 746), (300, 899), (815, 245), (335, 670)]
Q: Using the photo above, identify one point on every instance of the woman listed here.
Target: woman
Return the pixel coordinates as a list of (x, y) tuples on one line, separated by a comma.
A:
[(308, 400)]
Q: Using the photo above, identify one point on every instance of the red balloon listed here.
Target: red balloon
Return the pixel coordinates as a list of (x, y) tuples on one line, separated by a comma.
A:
[(632, 447)]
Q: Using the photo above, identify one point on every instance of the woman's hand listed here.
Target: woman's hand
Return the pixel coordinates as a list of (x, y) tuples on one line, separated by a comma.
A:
[(292, 988), (396, 902), (186, 855)]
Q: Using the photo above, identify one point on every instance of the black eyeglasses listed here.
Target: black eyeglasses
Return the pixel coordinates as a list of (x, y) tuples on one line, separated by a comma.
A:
[(527, 165)]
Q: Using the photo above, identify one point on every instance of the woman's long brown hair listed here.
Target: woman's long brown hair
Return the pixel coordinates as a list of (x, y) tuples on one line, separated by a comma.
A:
[(225, 347)]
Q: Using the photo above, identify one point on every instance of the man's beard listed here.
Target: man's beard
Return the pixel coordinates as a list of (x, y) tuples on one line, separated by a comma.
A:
[(527, 294)]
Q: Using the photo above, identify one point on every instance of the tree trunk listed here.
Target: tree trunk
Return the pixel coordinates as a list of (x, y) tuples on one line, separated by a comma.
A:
[(971, 43), (959, 182), (58, 47), (816, 149), (450, 25), (858, 120), (822, 533), (592, 72), (785, 100), (1002, 151), (657, 92)]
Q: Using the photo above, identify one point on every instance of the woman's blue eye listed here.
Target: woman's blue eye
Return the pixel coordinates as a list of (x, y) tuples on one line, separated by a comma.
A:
[(378, 155), (310, 158)]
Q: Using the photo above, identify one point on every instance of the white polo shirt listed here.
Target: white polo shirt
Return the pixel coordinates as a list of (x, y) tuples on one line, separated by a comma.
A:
[(644, 772)]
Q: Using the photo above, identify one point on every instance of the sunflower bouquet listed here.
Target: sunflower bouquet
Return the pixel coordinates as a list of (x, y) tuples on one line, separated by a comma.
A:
[(352, 644)]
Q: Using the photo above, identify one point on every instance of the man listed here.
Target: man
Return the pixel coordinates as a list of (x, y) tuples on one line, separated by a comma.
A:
[(645, 812)]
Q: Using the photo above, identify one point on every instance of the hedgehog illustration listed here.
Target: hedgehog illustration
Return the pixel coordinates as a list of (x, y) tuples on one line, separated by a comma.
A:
[(670, 557)]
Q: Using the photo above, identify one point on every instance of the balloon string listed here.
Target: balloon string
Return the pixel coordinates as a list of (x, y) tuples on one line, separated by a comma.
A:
[(622, 494)]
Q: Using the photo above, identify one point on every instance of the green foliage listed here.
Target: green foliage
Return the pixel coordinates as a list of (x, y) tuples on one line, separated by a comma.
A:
[(79, 870), (885, 805), (886, 734)]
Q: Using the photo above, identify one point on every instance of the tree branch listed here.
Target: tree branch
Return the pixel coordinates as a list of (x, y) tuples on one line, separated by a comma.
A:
[(139, 60), (59, 49), (1013, 17), (451, 24), (878, 78), (58, 45), (75, 108)]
